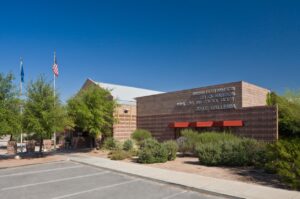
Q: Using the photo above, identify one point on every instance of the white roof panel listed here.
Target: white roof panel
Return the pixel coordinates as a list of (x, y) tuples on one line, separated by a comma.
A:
[(126, 94)]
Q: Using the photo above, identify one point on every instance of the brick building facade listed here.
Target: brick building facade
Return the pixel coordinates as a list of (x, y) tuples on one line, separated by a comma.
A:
[(238, 107), (125, 121), (125, 113)]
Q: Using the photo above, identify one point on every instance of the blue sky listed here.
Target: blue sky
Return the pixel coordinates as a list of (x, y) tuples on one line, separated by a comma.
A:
[(160, 45)]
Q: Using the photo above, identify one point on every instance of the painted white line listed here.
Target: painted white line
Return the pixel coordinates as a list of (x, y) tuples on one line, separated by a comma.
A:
[(173, 195), (52, 181), (37, 164), (39, 171), (96, 189)]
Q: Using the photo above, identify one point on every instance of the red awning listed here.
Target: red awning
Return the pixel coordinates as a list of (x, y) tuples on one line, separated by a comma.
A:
[(179, 124), (229, 123), (202, 124), (225, 123), (233, 123)]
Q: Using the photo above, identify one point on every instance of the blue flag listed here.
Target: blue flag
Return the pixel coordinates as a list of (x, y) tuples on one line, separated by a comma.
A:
[(22, 72)]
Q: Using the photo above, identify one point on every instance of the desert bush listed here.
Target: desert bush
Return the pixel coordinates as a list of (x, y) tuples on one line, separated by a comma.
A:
[(140, 134), (213, 137), (111, 144), (134, 152), (225, 149), (283, 158), (209, 154), (255, 151), (188, 144), (151, 151), (119, 155), (146, 156), (172, 149), (191, 139), (181, 143), (128, 145), (231, 153), (242, 152)]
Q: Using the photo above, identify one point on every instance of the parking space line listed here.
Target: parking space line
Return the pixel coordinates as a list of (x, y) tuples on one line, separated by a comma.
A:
[(173, 195), (37, 164), (52, 181), (40, 171), (96, 189)]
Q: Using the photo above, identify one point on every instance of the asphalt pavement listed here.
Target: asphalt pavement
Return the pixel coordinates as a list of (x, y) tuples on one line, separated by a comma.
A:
[(68, 179)]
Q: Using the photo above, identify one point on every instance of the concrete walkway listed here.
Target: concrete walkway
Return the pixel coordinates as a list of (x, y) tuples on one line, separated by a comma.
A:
[(193, 181)]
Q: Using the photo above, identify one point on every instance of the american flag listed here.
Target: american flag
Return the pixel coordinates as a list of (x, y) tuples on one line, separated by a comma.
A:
[(55, 67)]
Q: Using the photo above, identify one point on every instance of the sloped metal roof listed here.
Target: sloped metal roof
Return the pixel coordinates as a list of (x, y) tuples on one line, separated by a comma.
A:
[(125, 94)]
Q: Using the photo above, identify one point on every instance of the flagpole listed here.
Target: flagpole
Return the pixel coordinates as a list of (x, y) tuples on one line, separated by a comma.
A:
[(54, 134), (21, 64)]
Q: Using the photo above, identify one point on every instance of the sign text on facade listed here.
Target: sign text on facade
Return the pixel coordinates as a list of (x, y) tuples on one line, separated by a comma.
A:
[(211, 99)]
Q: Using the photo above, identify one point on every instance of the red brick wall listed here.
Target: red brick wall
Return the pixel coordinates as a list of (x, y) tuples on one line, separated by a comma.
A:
[(248, 102), (166, 103), (259, 122)]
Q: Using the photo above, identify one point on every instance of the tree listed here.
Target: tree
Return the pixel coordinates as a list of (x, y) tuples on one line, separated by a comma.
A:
[(293, 96), (92, 111), (43, 113), (10, 123), (289, 112)]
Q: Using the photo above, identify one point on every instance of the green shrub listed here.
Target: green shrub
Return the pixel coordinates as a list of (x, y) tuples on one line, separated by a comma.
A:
[(230, 152), (226, 149), (172, 149), (213, 137), (146, 156), (134, 152), (182, 145), (255, 151), (241, 152), (140, 134), (188, 144), (119, 155), (209, 154), (283, 158), (128, 145), (111, 144), (191, 139), (151, 151)]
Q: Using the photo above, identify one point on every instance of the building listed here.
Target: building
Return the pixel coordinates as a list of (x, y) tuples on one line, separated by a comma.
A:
[(238, 107), (126, 111)]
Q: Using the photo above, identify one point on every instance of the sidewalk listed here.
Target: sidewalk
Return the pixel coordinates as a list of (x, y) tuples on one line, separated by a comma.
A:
[(196, 182)]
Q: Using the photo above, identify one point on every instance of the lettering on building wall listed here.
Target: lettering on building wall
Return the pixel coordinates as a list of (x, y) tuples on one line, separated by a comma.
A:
[(211, 99)]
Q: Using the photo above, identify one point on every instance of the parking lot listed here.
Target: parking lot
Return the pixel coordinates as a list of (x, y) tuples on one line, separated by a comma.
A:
[(67, 179)]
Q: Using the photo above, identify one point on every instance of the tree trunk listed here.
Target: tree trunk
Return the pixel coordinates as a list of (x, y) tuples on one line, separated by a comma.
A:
[(41, 144), (92, 142), (102, 139), (11, 137)]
